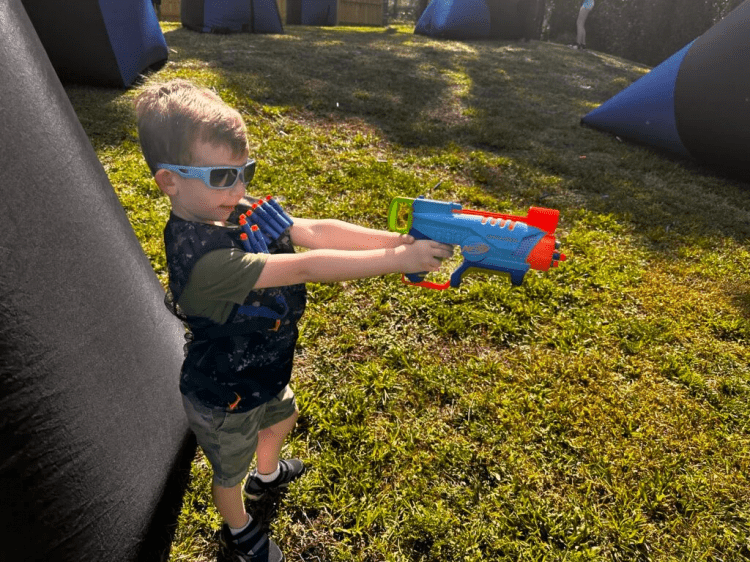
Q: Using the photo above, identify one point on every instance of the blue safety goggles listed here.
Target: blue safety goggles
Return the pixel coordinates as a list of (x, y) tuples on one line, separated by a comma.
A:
[(215, 177)]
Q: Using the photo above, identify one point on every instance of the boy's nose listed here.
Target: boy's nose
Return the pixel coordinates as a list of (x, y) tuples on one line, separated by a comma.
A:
[(238, 190)]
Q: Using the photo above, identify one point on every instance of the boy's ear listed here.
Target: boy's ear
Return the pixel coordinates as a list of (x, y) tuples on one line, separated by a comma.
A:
[(166, 181)]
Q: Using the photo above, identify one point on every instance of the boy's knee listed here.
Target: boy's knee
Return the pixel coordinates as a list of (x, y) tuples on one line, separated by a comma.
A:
[(289, 423)]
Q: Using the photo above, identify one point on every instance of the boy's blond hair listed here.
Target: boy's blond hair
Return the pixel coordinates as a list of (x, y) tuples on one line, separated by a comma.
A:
[(174, 115)]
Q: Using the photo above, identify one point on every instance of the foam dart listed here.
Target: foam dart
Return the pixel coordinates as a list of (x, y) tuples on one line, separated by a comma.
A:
[(243, 225), (268, 236), (272, 232), (259, 239), (249, 235), (280, 210), (246, 242), (273, 215), (254, 236), (259, 210)]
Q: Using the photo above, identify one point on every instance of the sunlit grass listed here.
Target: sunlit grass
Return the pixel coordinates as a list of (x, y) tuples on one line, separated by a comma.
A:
[(598, 412)]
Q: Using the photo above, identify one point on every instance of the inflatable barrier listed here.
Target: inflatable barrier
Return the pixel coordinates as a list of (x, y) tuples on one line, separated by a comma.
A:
[(99, 42), (96, 447), (480, 19), (231, 16), (694, 104)]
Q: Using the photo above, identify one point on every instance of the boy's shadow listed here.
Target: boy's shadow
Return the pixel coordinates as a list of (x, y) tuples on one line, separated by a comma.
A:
[(264, 509)]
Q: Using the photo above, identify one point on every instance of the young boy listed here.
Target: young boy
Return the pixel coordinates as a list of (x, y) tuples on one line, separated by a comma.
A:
[(242, 307)]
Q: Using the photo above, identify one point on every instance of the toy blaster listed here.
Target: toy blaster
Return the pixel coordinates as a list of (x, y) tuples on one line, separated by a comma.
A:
[(489, 241)]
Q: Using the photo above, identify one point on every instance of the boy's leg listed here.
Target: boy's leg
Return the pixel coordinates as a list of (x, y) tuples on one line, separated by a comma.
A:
[(270, 442), (281, 416), (243, 535), (228, 441), (230, 504)]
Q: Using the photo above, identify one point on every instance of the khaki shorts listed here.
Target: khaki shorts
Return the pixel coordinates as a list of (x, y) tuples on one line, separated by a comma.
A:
[(229, 439)]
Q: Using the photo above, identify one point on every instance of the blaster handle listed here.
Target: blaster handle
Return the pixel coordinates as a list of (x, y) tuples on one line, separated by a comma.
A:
[(397, 203)]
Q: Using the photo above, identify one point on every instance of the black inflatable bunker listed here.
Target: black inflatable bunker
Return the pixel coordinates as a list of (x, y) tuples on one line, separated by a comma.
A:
[(99, 42), (479, 19), (311, 12), (694, 104), (95, 445), (231, 16)]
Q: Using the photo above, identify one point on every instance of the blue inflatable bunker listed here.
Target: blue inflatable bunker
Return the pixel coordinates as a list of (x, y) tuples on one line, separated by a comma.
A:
[(694, 104), (99, 42), (231, 16), (452, 19), (480, 19)]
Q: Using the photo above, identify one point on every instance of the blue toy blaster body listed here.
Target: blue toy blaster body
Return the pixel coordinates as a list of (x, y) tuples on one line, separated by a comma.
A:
[(488, 241)]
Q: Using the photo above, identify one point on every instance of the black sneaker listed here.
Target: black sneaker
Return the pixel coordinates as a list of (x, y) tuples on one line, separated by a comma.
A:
[(289, 471), (250, 545)]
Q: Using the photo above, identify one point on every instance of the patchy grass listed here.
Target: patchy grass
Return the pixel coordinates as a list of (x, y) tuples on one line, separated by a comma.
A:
[(598, 412)]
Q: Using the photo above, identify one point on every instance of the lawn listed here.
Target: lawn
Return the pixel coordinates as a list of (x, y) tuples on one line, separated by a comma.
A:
[(597, 412)]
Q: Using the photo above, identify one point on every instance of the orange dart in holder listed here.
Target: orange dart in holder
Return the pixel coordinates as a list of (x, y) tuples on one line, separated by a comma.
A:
[(489, 242)]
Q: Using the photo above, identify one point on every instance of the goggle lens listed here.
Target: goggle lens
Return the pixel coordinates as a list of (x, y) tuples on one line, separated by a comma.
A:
[(223, 177), (249, 172), (227, 177)]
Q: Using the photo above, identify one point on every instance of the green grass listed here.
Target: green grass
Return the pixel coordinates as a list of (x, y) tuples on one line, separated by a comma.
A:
[(598, 412)]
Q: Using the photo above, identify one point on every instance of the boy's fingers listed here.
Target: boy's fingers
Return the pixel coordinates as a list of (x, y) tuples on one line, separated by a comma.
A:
[(445, 251)]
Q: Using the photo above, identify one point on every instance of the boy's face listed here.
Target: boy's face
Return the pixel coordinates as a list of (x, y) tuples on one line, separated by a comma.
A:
[(192, 199)]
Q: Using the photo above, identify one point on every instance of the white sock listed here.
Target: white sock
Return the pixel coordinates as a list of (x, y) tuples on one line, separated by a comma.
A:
[(269, 477), (238, 531)]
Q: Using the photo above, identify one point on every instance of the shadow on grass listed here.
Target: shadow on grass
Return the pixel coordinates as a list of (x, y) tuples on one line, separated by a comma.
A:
[(106, 122), (510, 110), (520, 102)]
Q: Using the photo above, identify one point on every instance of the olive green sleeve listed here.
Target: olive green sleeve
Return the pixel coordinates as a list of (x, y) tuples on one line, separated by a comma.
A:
[(219, 280)]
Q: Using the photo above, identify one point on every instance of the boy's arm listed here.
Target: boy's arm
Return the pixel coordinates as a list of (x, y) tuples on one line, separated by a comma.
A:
[(339, 235), (328, 266)]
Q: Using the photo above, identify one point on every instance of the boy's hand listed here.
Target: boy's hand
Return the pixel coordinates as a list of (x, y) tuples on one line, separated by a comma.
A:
[(418, 256)]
